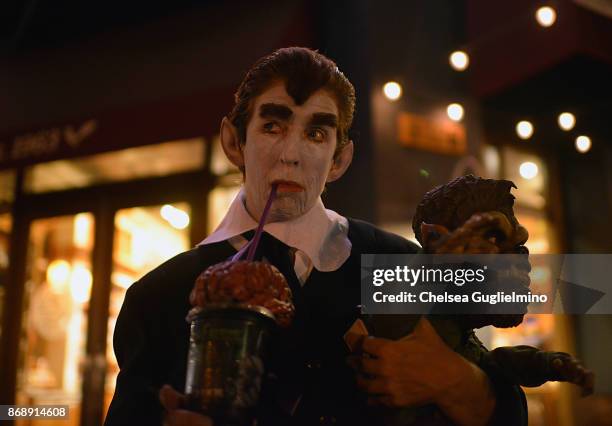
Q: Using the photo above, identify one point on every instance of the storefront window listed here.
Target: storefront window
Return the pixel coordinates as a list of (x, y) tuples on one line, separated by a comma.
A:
[(145, 237), (401, 228), (7, 191), (57, 292), (5, 233), (219, 201), (7, 188), (229, 181), (117, 166), (548, 332), (219, 164), (529, 173)]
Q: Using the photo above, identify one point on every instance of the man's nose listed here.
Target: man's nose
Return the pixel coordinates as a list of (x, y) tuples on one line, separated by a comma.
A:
[(290, 153), (521, 235)]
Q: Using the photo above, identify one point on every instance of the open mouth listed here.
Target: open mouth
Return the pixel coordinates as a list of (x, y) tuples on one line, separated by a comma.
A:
[(288, 186)]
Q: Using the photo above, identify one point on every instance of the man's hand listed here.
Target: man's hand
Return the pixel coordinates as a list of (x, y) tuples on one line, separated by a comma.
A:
[(420, 369), (172, 401), (410, 371)]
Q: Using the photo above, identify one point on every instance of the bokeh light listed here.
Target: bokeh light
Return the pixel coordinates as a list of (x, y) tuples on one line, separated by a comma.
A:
[(392, 90), (524, 129), (177, 218), (566, 121), (546, 16), (528, 170), (455, 111), (58, 273), (459, 60), (583, 144)]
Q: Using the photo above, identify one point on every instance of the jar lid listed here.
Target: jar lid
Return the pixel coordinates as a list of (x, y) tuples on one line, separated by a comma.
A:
[(227, 309)]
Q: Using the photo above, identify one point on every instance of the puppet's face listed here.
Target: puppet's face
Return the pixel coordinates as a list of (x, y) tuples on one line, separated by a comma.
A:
[(292, 145), (487, 233)]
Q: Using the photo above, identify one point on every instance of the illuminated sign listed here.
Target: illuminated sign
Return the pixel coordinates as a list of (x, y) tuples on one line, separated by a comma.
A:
[(438, 135)]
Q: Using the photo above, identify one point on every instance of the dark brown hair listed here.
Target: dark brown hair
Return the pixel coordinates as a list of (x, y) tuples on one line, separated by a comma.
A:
[(304, 71), (452, 204)]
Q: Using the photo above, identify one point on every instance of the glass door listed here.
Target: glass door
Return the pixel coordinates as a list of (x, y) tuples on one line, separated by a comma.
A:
[(57, 292), (58, 330), (144, 238), (58, 287)]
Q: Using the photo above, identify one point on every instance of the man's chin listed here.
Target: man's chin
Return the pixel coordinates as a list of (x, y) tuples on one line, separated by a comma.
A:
[(507, 321), (287, 206), (496, 320), (284, 214)]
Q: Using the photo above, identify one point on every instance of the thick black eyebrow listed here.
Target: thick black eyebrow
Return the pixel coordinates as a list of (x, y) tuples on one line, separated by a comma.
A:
[(278, 111), (324, 119)]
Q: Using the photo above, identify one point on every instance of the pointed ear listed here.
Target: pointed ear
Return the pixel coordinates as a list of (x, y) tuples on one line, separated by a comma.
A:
[(231, 143), (341, 162), (430, 233)]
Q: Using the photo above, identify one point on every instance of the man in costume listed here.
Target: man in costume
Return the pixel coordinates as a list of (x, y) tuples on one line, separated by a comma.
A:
[(289, 127)]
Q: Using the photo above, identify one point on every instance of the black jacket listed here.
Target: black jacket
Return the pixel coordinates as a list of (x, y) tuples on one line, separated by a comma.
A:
[(309, 362)]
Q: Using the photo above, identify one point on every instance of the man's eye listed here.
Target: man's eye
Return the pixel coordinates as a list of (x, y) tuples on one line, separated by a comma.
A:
[(271, 127), (316, 135)]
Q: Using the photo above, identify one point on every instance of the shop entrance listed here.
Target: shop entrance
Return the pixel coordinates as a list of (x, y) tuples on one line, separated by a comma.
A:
[(81, 249)]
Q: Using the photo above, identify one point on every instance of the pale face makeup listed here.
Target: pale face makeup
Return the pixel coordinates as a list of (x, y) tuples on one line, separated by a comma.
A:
[(291, 145)]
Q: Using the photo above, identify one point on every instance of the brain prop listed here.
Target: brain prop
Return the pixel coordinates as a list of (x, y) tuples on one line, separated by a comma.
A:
[(245, 283)]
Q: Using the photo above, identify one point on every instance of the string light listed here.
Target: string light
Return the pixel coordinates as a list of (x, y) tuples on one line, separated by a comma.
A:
[(566, 121), (524, 129), (459, 60), (392, 90), (546, 16), (583, 144), (455, 111)]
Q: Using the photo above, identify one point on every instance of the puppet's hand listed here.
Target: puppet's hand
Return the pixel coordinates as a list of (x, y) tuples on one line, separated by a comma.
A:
[(571, 370), (172, 401), (481, 233)]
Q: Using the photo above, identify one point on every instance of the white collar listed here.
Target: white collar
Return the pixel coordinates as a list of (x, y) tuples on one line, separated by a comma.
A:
[(320, 233)]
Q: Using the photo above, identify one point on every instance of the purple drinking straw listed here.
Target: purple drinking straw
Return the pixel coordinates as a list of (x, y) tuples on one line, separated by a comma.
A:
[(252, 245)]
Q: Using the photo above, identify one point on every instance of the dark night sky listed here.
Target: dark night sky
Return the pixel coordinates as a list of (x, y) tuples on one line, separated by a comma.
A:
[(34, 24)]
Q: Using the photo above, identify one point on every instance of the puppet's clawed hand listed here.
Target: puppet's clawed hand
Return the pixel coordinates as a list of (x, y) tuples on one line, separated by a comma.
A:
[(571, 370), (483, 233)]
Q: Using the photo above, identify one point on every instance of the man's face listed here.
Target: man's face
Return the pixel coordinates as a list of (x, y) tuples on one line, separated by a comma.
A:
[(292, 145)]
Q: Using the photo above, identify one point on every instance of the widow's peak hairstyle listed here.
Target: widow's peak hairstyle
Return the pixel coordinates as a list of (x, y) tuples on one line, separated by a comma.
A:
[(304, 71)]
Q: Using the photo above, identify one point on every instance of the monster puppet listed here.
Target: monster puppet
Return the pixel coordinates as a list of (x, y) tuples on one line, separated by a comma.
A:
[(475, 215)]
